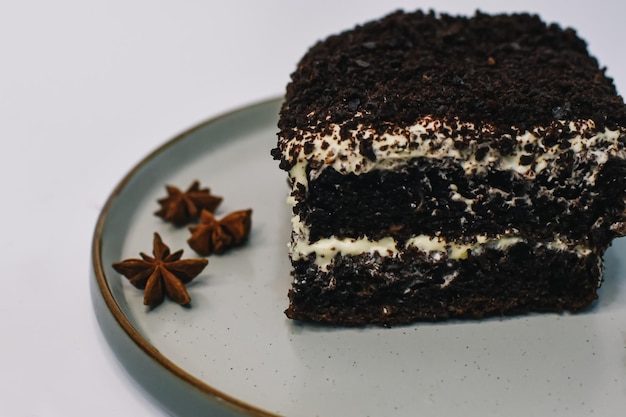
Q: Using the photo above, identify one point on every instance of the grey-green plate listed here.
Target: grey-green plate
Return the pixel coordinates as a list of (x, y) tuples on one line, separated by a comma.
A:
[(234, 353)]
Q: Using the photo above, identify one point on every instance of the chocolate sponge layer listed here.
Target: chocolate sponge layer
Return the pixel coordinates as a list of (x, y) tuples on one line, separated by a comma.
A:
[(370, 289), (418, 200)]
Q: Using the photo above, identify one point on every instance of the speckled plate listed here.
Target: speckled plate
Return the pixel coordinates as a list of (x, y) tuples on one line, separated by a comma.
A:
[(234, 353)]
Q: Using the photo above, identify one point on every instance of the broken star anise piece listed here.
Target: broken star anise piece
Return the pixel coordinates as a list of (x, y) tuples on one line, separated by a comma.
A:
[(216, 236), (165, 274), (181, 208)]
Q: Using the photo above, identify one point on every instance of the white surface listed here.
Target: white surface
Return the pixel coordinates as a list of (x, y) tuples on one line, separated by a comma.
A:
[(89, 88)]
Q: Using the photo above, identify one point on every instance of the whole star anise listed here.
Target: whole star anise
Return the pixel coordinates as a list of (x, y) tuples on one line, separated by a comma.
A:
[(181, 208), (216, 236), (165, 273)]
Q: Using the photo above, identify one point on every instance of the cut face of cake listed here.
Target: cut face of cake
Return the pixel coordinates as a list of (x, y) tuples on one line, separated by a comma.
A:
[(446, 167)]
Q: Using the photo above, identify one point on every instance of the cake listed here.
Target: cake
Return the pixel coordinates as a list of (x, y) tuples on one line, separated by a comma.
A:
[(450, 167)]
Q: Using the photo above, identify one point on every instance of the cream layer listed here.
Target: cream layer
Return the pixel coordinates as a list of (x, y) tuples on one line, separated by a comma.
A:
[(433, 138), (436, 248)]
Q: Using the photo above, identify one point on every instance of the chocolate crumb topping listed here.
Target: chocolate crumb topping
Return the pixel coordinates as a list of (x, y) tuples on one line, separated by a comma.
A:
[(500, 70)]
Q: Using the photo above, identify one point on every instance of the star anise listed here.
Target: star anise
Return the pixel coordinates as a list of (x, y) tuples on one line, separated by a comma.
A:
[(181, 208), (164, 274), (216, 236)]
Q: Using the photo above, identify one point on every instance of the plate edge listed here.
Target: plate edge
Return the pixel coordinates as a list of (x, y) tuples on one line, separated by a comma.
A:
[(102, 289)]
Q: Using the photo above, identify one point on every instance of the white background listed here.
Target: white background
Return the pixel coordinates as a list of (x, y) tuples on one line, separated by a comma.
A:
[(87, 89)]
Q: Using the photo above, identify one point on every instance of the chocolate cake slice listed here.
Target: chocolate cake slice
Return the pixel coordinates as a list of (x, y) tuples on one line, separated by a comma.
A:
[(446, 166)]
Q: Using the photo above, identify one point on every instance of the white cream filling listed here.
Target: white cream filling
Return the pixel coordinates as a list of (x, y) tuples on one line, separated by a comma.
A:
[(436, 248), (431, 138)]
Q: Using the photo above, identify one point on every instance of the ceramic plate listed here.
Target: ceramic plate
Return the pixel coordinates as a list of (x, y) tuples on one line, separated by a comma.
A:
[(233, 352)]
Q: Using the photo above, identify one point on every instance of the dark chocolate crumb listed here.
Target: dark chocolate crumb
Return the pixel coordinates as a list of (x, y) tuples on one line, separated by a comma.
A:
[(526, 160), (500, 70), (366, 149), (481, 153)]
